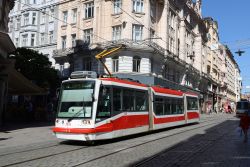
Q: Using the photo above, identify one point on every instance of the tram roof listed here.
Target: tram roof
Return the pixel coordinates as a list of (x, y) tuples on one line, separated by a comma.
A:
[(167, 91), (123, 81)]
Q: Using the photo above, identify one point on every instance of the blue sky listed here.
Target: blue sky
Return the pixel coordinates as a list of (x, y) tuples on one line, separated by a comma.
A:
[(233, 17)]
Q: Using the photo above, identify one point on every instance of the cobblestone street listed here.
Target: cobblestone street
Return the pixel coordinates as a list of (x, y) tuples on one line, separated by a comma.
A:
[(213, 142)]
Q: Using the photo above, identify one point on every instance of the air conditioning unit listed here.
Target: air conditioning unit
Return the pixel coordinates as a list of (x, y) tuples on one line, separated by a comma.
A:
[(83, 74)]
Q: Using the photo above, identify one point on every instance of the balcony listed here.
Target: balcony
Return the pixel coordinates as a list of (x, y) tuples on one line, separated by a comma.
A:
[(62, 52)]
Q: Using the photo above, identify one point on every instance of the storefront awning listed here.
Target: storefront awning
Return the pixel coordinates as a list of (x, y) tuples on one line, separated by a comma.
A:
[(17, 83)]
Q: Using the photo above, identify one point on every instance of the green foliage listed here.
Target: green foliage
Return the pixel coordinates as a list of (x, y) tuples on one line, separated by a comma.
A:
[(36, 67)]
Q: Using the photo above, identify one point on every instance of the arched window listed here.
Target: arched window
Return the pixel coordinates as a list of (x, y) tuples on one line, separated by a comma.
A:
[(115, 64), (136, 64)]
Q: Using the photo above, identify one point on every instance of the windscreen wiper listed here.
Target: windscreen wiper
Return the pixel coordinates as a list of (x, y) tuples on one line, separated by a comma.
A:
[(70, 119)]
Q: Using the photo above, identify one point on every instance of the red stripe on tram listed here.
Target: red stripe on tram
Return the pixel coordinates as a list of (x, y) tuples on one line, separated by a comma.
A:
[(168, 119), (193, 115), (167, 91)]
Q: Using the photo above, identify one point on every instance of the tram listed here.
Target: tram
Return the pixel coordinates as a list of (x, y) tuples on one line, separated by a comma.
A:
[(93, 108), (242, 107)]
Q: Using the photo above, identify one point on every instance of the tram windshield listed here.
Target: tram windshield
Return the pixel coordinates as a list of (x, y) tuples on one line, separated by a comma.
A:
[(242, 105), (76, 100)]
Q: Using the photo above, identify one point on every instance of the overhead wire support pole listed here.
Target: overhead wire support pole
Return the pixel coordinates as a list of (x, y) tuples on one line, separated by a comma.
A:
[(105, 53)]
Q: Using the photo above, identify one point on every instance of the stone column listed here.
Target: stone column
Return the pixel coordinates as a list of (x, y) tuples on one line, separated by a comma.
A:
[(182, 40)]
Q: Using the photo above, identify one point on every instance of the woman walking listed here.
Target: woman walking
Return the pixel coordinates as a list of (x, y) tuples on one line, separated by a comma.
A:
[(244, 124)]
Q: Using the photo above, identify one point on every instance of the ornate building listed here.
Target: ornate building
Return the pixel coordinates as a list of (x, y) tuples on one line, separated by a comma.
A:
[(32, 24)]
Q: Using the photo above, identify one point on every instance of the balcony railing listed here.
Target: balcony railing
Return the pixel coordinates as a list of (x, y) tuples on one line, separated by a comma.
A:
[(63, 52)]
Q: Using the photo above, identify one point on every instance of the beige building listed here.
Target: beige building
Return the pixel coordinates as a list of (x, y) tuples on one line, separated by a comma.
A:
[(163, 38), (216, 66), (167, 43)]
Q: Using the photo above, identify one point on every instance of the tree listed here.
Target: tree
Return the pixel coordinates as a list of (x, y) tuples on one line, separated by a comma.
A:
[(36, 67)]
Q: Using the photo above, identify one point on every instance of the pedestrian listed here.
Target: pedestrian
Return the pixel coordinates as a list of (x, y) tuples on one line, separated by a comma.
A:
[(229, 109), (50, 111), (29, 109), (244, 124)]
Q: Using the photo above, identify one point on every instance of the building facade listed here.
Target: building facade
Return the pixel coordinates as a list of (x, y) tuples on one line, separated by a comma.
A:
[(33, 24), (167, 42)]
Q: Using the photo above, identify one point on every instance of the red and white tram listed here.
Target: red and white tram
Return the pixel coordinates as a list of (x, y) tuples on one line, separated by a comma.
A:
[(105, 108)]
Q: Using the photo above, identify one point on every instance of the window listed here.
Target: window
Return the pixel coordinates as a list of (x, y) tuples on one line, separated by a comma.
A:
[(32, 39), (192, 103), (159, 105), (88, 35), (136, 64), (26, 19), (104, 103), (152, 8), (116, 35), (18, 24), (73, 40), (87, 64), (51, 36), (117, 6), (128, 100), (42, 18), (33, 18), (51, 17), (17, 42), (10, 26), (137, 32), (167, 106), (141, 101), (74, 15), (25, 40), (115, 64), (42, 37), (117, 100), (63, 42), (65, 17), (89, 10), (138, 6), (152, 34)]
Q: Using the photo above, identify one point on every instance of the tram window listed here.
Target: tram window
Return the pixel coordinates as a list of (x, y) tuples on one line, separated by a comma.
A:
[(174, 109), (141, 101), (128, 100), (117, 95), (192, 103), (104, 103), (159, 103), (167, 107), (180, 106)]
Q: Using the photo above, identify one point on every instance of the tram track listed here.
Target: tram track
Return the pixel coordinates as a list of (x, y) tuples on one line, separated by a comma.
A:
[(141, 144), (215, 121)]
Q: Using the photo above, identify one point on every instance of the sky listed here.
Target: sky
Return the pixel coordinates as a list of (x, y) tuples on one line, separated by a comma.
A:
[(233, 17)]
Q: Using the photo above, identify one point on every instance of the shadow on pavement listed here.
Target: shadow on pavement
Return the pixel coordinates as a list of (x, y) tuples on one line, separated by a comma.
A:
[(11, 126), (220, 145)]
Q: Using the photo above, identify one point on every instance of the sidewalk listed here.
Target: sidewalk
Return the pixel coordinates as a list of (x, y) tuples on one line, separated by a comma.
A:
[(23, 134)]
